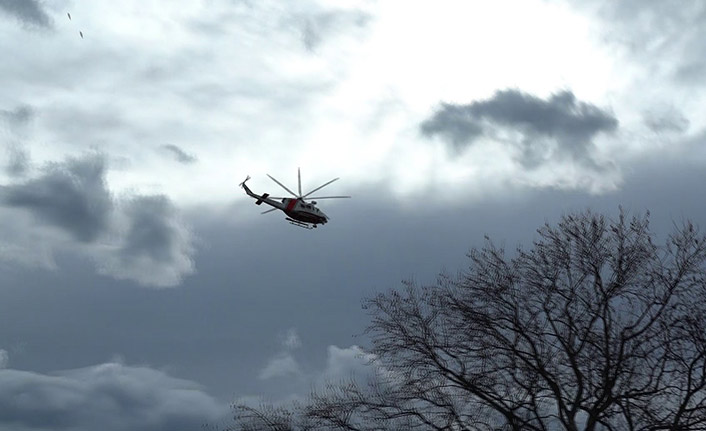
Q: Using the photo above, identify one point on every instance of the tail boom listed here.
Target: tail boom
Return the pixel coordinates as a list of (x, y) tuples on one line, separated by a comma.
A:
[(261, 198)]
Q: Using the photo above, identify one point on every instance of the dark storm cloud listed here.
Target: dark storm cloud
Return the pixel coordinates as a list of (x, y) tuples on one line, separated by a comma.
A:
[(258, 276), (571, 123), (156, 248), (150, 233), (29, 12), (179, 154), (71, 196), (453, 123), (111, 397), (139, 238)]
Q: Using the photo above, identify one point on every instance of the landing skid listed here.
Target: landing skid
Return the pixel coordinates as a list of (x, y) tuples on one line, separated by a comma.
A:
[(300, 224)]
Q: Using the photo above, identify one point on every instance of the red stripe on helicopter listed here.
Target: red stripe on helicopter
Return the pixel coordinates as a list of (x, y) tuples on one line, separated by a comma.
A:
[(291, 204)]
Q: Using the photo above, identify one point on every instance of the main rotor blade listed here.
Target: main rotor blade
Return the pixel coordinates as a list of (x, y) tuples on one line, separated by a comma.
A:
[(327, 197), (269, 211), (320, 187), (282, 185), (299, 177)]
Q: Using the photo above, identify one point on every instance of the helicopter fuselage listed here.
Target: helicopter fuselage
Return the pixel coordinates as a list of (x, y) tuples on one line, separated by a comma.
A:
[(296, 208), (303, 211)]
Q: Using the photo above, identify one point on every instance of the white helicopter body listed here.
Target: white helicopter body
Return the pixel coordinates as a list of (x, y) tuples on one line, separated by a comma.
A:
[(299, 211)]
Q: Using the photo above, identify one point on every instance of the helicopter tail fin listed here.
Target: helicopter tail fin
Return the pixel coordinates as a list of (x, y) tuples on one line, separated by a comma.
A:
[(262, 198)]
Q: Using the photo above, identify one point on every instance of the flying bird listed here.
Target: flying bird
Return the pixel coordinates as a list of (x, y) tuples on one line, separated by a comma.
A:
[(69, 15)]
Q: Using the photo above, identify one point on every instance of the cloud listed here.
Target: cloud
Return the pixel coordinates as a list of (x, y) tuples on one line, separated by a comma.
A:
[(320, 26), (29, 12), (349, 362), (281, 365), (342, 364), (453, 123), (18, 162), (4, 359), (668, 120), (111, 397), (71, 195), (658, 33), (156, 247), (138, 237), (291, 340), (557, 128), (17, 117), (15, 123), (179, 154)]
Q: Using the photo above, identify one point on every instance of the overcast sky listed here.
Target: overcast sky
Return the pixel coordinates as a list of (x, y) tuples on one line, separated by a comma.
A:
[(141, 289)]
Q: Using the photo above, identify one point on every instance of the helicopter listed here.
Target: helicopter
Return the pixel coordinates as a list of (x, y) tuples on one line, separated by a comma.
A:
[(299, 212)]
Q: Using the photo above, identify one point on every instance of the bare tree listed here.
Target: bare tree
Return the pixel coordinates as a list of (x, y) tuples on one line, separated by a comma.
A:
[(594, 327), (266, 418)]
